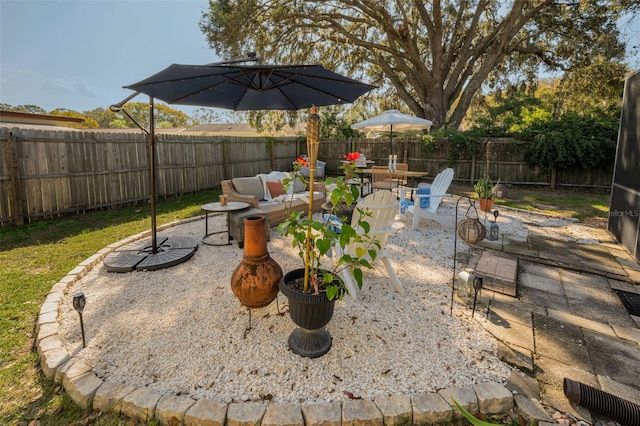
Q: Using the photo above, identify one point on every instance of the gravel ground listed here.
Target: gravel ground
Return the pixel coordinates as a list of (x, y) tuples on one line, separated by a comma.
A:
[(182, 331)]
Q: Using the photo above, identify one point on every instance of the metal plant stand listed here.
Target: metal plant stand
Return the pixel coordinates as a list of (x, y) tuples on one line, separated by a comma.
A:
[(455, 248)]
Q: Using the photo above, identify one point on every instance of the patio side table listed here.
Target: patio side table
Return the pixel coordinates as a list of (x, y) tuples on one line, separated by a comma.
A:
[(216, 207)]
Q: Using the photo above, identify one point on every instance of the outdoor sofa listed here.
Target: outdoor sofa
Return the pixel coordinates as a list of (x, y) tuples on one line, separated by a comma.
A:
[(267, 192)]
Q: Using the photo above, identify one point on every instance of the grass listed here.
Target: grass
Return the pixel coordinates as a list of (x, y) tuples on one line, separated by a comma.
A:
[(590, 207), (36, 256)]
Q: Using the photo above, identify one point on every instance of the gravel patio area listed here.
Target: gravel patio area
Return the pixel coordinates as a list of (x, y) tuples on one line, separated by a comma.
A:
[(182, 331)]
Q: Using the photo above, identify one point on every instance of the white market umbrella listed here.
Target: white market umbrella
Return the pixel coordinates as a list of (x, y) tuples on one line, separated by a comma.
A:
[(391, 120)]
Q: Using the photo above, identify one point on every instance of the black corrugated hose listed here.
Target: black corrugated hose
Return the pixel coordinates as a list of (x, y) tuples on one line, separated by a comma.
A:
[(611, 406)]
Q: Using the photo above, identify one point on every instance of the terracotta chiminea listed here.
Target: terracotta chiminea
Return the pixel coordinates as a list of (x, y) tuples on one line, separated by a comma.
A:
[(255, 280)]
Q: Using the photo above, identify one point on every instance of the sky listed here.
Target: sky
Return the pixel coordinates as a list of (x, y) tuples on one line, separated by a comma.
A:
[(77, 54)]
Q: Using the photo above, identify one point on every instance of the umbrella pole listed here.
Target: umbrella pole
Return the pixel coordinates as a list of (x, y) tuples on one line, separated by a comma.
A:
[(152, 176), (391, 138)]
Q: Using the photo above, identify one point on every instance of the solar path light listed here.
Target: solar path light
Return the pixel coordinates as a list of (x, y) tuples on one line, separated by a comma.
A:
[(78, 304)]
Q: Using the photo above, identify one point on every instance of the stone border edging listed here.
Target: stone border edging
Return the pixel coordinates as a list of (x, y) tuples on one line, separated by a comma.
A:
[(89, 391)]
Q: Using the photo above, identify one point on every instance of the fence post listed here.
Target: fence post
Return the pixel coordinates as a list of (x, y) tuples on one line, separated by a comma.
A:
[(472, 176), (225, 160), (270, 144), (15, 189)]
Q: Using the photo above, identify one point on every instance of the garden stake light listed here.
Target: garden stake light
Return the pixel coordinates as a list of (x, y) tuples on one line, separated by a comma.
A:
[(78, 304), (494, 229)]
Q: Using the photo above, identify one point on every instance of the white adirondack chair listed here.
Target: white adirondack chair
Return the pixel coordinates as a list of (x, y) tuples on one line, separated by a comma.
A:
[(438, 189), (383, 207)]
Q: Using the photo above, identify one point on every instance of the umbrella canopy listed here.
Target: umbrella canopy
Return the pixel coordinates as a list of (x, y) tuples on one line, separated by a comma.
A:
[(251, 87), (391, 120), (240, 88)]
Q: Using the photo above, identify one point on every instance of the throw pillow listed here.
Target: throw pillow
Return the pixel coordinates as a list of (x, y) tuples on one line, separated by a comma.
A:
[(249, 186), (424, 202), (275, 188), (298, 186), (269, 177)]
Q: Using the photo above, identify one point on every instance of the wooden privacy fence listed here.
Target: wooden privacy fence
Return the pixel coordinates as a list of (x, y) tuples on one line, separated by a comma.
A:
[(49, 173), (499, 158), (46, 173)]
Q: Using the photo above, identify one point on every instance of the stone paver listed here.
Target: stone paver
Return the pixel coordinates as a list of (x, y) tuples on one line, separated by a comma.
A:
[(109, 396), (542, 284), (395, 409), (584, 323), (430, 408), (510, 332), (542, 298), (465, 396), (322, 414), (530, 410), (561, 329), (206, 412), (556, 348), (511, 310), (48, 344), (140, 404), (631, 334), (499, 273), (245, 414), (81, 389), (361, 412), (46, 330), (552, 372), (50, 360), (523, 384), (70, 369), (283, 415), (171, 409), (493, 398), (621, 390), (518, 357)]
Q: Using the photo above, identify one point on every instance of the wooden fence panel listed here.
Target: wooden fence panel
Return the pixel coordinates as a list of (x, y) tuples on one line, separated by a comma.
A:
[(6, 166), (32, 185)]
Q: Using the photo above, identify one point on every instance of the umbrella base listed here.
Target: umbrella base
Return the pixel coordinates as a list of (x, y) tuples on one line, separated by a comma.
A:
[(138, 256)]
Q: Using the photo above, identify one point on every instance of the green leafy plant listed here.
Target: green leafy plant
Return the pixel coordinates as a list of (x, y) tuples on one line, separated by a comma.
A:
[(572, 141), (326, 233), (483, 188)]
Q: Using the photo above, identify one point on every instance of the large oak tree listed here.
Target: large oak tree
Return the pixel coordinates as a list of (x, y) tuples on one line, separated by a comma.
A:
[(432, 56)]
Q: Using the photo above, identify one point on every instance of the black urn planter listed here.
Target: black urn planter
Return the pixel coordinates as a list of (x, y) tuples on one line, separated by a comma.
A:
[(310, 312)]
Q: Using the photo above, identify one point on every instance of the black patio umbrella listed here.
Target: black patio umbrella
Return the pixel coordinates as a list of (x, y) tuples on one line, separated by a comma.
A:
[(239, 88), (251, 87)]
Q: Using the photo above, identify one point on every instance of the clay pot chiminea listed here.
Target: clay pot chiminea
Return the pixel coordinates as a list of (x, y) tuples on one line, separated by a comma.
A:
[(255, 280)]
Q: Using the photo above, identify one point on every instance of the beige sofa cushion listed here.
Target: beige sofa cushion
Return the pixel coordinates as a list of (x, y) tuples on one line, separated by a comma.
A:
[(249, 186)]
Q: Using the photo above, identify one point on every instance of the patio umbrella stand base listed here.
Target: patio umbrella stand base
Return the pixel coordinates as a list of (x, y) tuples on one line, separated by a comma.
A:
[(138, 256)]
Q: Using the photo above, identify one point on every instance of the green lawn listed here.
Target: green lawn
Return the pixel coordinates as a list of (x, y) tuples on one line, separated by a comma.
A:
[(36, 256)]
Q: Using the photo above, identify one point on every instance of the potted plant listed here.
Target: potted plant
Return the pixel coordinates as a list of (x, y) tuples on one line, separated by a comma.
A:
[(313, 289), (483, 188), (345, 210)]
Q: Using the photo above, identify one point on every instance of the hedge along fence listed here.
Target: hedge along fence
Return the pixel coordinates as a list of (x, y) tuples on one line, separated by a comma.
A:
[(46, 173)]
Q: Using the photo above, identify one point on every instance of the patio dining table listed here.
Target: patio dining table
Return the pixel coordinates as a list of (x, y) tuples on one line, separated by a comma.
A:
[(412, 177)]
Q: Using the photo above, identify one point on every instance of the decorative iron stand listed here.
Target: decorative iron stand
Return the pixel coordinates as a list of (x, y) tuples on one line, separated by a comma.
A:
[(472, 203)]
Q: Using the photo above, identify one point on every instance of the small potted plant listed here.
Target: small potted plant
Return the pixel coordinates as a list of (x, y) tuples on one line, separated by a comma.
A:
[(313, 289), (483, 188)]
